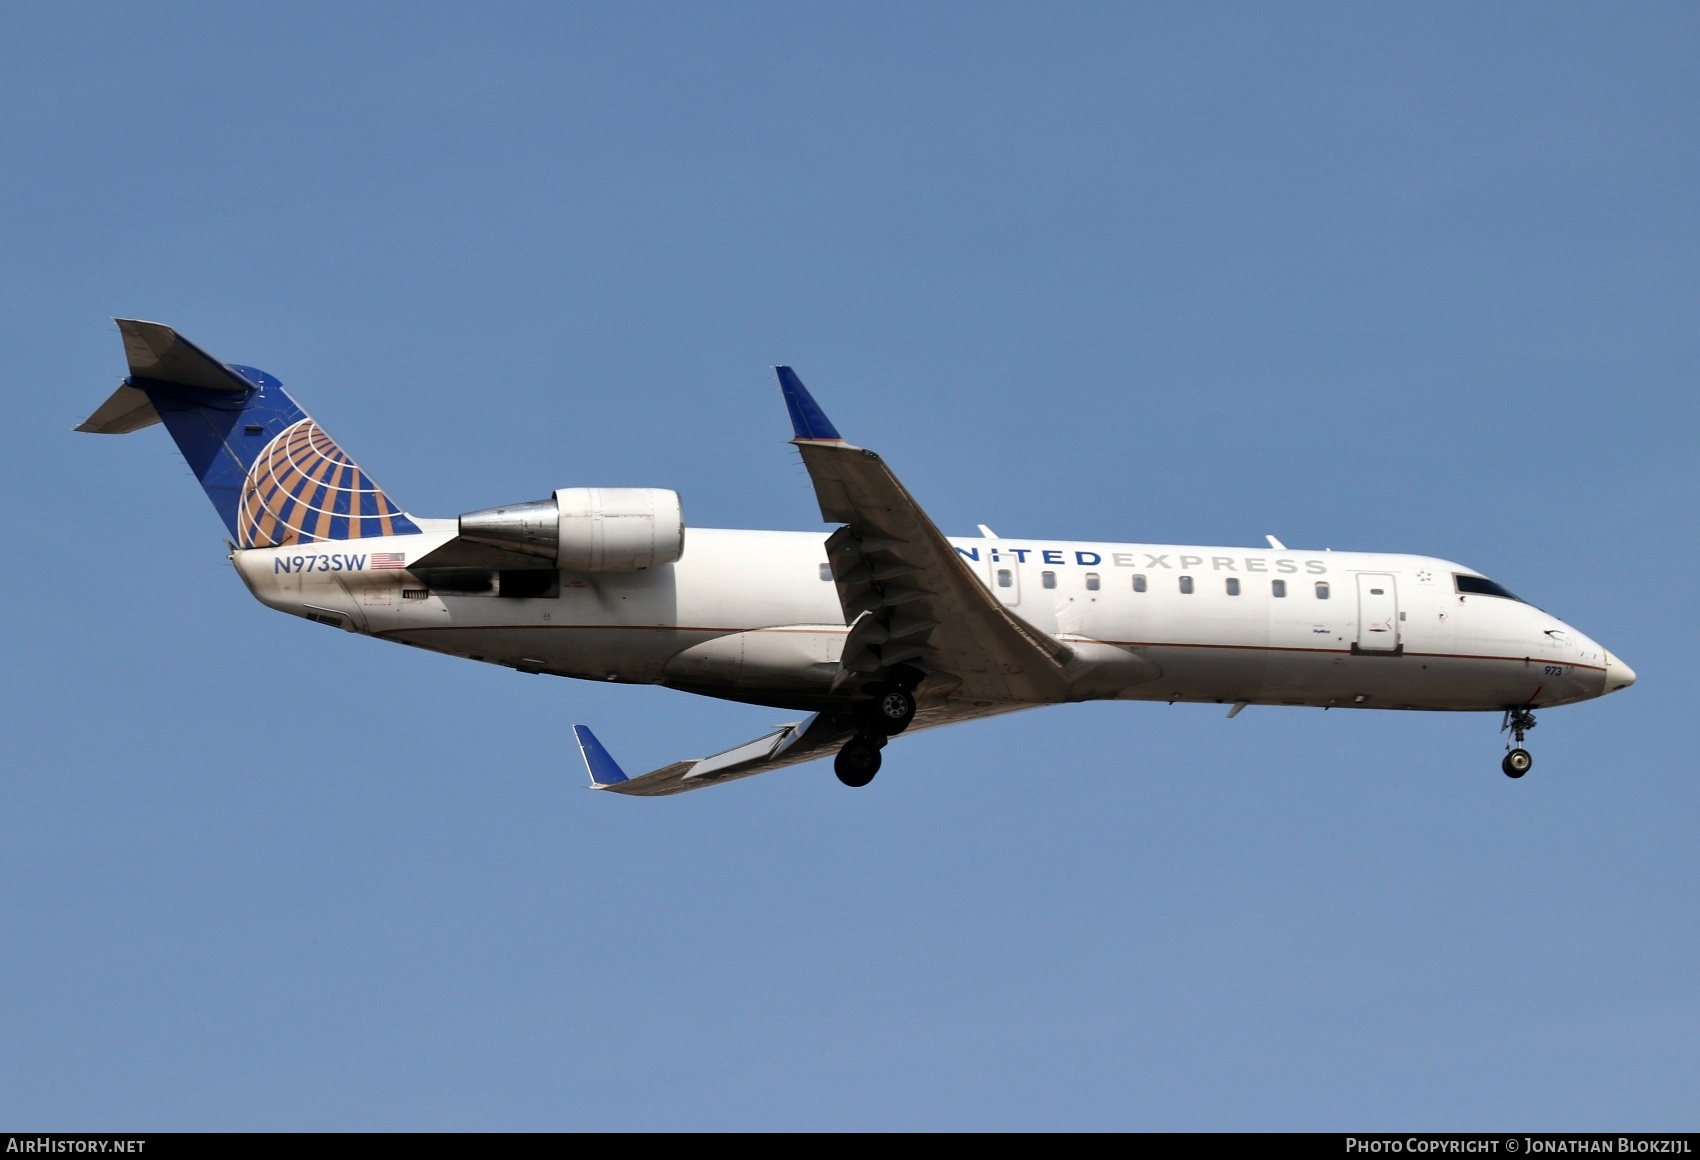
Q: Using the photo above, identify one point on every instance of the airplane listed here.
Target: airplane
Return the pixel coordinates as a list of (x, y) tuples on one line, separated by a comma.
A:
[(884, 625)]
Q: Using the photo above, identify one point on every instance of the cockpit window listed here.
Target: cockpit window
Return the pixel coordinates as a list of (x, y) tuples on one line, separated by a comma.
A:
[(1482, 586)]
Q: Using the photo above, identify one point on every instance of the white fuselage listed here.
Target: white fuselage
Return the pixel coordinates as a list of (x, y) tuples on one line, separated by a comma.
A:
[(750, 615)]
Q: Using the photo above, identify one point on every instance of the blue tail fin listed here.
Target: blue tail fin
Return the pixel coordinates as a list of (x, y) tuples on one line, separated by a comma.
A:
[(273, 474)]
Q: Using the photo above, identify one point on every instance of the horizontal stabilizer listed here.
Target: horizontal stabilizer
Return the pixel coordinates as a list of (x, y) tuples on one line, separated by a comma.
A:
[(604, 770), (124, 411), (159, 353)]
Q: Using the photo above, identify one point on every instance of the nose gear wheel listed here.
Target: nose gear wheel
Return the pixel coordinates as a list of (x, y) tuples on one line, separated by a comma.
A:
[(1518, 760)]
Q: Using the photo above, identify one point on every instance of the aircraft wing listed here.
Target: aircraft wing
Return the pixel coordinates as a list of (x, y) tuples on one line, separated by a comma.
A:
[(909, 599), (801, 741), (907, 594), (816, 736)]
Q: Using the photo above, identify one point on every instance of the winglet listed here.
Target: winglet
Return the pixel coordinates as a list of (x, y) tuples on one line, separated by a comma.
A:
[(604, 770), (807, 419)]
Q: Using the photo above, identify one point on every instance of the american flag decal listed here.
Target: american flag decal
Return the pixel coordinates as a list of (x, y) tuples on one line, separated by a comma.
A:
[(389, 559)]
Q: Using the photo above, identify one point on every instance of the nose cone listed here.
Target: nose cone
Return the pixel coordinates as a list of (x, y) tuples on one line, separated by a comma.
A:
[(1618, 674)]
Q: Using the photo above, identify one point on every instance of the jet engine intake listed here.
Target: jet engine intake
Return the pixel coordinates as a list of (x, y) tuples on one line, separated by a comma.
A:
[(587, 529)]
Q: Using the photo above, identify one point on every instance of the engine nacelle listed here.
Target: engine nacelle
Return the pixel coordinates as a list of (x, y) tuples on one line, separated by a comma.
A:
[(588, 529)]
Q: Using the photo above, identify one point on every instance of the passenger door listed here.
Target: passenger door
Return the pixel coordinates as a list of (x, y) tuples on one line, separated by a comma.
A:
[(1004, 576), (1378, 614)]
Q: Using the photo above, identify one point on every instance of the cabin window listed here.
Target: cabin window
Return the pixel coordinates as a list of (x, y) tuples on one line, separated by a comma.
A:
[(1186, 585), (1048, 579), (1278, 587), (1233, 586), (1139, 583), (1092, 582), (1322, 590), (826, 571), (1006, 578)]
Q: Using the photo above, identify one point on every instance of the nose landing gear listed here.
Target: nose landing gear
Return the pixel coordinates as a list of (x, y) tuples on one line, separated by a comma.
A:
[(1518, 760)]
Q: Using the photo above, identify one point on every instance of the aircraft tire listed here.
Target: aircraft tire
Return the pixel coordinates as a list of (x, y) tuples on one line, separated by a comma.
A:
[(1517, 763), (856, 763), (894, 709)]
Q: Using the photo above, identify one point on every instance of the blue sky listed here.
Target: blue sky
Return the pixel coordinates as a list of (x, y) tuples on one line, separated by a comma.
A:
[(1399, 277)]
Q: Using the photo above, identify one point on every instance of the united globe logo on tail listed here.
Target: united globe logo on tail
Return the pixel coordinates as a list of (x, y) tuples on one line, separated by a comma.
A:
[(303, 488)]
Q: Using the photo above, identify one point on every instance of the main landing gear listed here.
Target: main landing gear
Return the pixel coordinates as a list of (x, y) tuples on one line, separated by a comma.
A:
[(893, 710), (859, 760), (1518, 760), (889, 714)]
